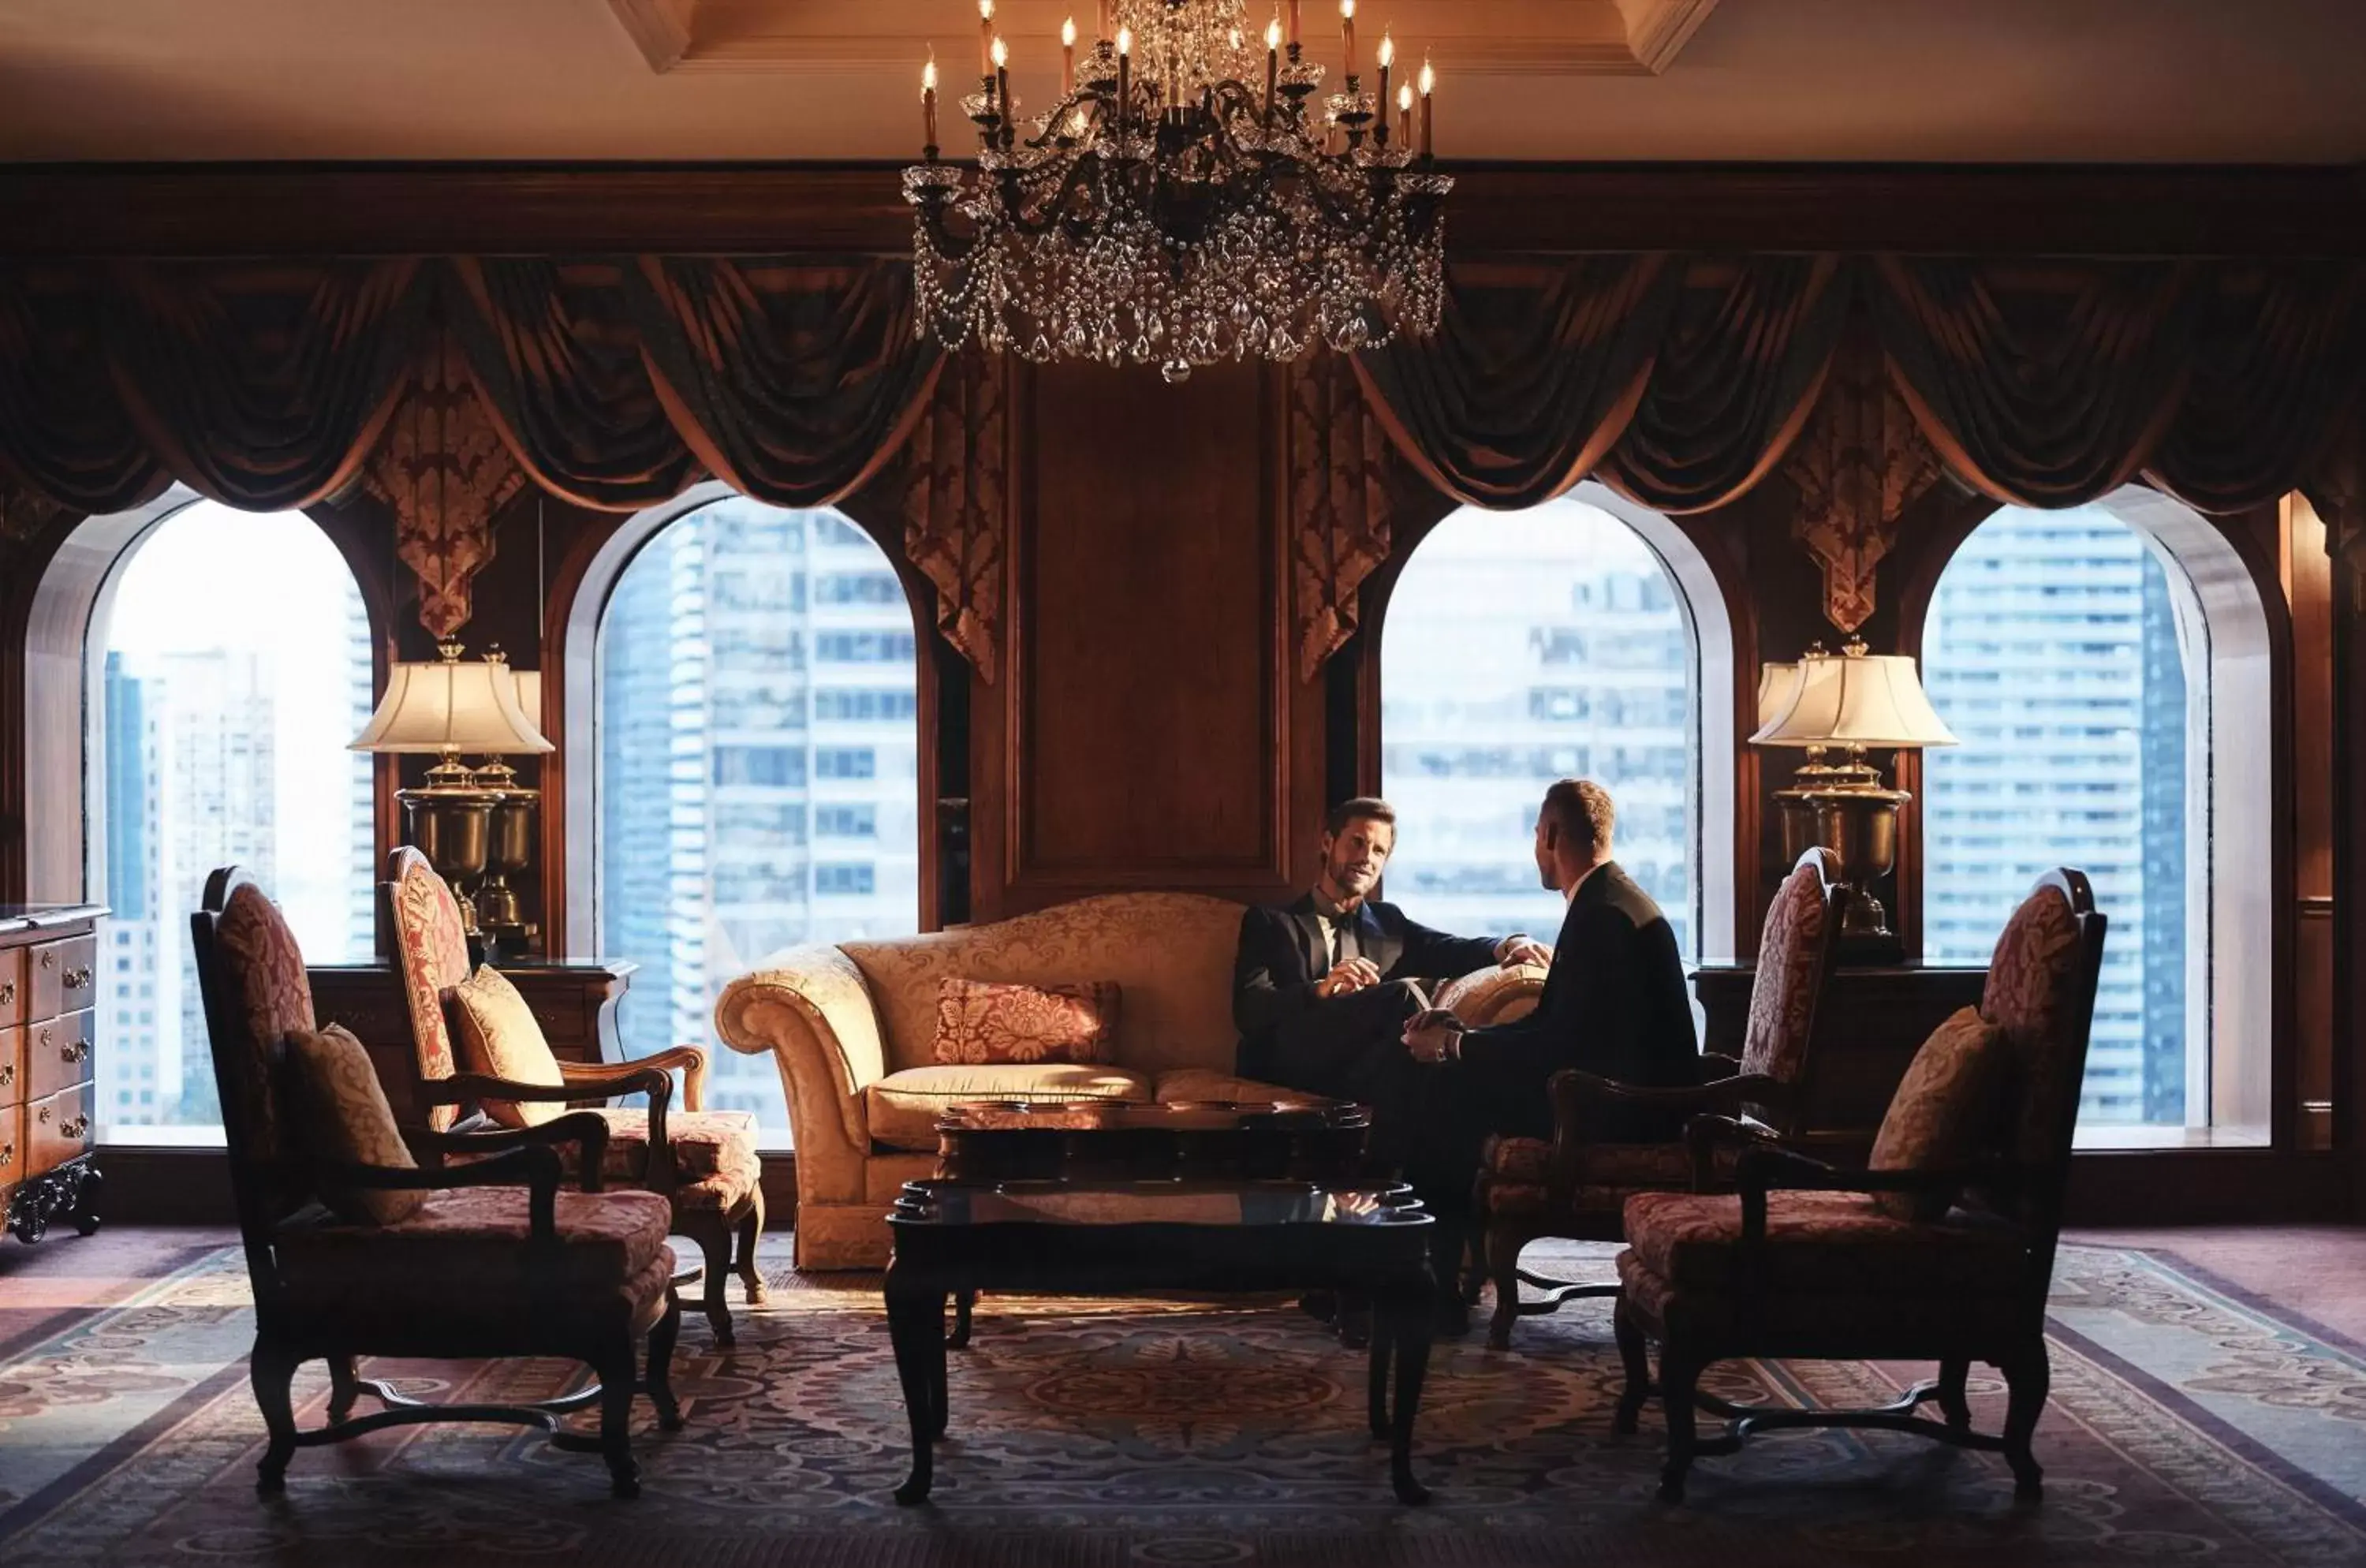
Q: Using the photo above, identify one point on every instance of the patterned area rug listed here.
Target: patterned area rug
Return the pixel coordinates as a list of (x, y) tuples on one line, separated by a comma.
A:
[(2187, 1422)]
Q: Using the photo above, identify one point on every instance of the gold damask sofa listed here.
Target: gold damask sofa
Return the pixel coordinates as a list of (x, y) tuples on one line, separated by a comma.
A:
[(853, 1029)]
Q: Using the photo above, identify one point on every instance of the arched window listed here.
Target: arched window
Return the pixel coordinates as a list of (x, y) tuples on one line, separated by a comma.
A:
[(230, 664), (1525, 647), (2104, 670), (758, 750)]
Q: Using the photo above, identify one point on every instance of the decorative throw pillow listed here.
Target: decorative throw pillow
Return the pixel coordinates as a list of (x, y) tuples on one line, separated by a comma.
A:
[(988, 1021), (342, 1118), (500, 1039), (1942, 1107)]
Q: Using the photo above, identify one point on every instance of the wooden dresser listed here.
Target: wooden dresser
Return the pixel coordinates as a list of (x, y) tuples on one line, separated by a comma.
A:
[(48, 1100)]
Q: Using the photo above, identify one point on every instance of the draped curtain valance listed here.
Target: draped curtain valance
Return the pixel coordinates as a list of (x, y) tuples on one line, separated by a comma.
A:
[(1683, 381), (614, 382)]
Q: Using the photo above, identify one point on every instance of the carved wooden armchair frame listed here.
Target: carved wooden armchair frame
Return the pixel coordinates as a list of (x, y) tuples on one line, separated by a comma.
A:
[(2011, 1194), (447, 1097), (1578, 1167), (271, 1185)]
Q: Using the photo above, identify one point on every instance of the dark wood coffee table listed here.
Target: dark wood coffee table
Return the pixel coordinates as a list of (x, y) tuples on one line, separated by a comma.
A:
[(1009, 1140), (1120, 1238)]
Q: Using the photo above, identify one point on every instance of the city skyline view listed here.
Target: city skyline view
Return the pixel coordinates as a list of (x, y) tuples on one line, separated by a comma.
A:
[(2054, 651)]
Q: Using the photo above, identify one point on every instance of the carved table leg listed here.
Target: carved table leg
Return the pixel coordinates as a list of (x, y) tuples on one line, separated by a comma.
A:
[(1403, 1320), (916, 1327)]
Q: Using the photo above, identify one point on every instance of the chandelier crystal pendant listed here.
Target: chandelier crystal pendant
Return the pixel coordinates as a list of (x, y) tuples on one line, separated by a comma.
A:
[(1181, 202)]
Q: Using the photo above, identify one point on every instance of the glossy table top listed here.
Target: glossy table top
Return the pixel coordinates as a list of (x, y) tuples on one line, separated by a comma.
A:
[(1228, 1205), (1121, 1116)]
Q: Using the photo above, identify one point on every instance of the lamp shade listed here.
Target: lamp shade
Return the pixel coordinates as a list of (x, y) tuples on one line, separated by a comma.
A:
[(1776, 684), (449, 706), (1870, 700), (529, 695)]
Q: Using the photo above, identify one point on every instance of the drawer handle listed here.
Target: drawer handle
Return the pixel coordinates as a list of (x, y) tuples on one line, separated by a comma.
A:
[(77, 1052), (45, 1113), (7, 993), (75, 1128), (7, 1073), (7, 1153), (49, 961), (75, 979)]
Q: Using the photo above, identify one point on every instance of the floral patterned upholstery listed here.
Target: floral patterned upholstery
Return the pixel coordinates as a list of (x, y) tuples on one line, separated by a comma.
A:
[(1941, 1110), (994, 1022), (1782, 991), (463, 1251), (2033, 996), (275, 999), (432, 945), (342, 1118), (1821, 1243)]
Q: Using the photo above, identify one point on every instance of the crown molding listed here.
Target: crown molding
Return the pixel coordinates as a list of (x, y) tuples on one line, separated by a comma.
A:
[(1518, 38)]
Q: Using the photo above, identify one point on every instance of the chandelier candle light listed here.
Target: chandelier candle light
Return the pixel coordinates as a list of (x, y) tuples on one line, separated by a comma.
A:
[(1173, 207)]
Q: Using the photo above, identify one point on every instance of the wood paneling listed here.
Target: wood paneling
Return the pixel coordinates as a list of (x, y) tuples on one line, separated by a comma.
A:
[(1148, 732), (398, 210)]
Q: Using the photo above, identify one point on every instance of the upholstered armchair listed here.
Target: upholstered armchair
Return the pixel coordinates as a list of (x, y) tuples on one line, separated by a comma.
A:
[(703, 1162), (1942, 1249), (352, 1249), (1576, 1188)]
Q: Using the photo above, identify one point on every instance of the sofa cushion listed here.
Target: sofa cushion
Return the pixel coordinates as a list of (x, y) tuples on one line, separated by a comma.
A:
[(1003, 1021), (1941, 1110), (500, 1039), (344, 1118), (904, 1107)]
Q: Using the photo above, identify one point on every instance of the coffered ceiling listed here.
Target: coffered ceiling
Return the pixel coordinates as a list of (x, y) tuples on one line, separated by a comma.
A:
[(1859, 80)]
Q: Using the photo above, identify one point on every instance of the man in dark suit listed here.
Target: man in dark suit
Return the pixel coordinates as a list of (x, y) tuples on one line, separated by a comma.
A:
[(1322, 988), (1615, 1004)]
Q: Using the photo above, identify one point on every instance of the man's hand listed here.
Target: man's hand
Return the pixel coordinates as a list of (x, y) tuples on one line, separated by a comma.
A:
[(1516, 950), (1347, 975), (1434, 1036)]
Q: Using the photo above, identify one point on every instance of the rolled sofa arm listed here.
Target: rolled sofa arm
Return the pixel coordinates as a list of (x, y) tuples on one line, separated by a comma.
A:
[(811, 1008)]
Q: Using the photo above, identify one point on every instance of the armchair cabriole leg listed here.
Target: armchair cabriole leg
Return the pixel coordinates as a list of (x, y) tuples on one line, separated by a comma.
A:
[(751, 1232), (614, 1369), (1635, 1355), (1953, 1373), (1678, 1381), (344, 1388), (2027, 1380), (1504, 1244), (663, 1334), (272, 1373), (713, 1238)]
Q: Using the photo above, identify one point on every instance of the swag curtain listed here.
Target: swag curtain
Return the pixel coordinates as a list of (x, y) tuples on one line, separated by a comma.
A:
[(1682, 383), (613, 382)]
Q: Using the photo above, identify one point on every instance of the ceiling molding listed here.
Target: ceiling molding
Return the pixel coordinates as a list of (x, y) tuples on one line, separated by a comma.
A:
[(1522, 37)]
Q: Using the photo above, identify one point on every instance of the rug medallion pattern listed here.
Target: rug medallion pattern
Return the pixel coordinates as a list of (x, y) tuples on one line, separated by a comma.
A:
[(1193, 1433)]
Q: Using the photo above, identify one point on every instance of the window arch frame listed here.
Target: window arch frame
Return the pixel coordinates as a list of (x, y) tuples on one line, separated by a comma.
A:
[(1723, 878), (2233, 614), (71, 600), (571, 822)]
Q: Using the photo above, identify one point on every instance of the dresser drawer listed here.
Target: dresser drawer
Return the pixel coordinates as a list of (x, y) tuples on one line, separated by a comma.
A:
[(12, 986), (12, 1075), (63, 976), (12, 1145), (57, 1055), (57, 1129)]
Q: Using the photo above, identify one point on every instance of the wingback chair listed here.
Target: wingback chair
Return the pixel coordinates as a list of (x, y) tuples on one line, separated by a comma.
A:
[(702, 1161), (1576, 1188), (379, 1257), (1942, 1249)]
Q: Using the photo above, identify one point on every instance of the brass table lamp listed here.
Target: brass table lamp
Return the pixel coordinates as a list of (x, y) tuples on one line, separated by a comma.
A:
[(444, 708), (1848, 702)]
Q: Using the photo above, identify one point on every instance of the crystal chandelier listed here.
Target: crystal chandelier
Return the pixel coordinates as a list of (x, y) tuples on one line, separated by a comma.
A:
[(1178, 205)]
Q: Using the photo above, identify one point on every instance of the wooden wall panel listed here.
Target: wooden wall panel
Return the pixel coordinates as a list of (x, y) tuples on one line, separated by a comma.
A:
[(1148, 731)]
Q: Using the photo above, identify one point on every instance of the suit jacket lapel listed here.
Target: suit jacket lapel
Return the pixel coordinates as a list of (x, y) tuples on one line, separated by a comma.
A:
[(1310, 938), (1378, 944)]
